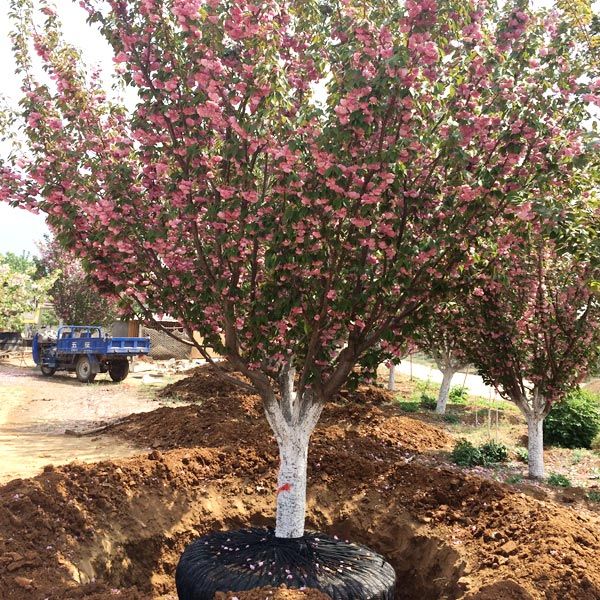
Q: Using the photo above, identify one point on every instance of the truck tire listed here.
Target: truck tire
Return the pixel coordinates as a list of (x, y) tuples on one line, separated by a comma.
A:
[(47, 371), (118, 369), (83, 370)]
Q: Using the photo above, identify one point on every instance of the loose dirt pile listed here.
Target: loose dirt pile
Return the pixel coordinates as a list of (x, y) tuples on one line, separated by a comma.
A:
[(116, 529)]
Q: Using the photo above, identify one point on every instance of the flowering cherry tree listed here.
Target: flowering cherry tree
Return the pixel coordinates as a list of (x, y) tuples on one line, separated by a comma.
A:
[(298, 178), (535, 325), (73, 296), (443, 335)]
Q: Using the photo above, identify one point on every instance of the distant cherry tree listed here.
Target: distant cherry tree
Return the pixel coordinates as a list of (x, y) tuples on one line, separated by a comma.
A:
[(535, 325), (74, 296), (443, 336)]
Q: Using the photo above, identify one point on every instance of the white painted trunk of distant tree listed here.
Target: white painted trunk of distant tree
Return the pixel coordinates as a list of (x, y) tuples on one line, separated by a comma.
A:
[(392, 378), (448, 363), (535, 408), (293, 420), (442, 400), (535, 445)]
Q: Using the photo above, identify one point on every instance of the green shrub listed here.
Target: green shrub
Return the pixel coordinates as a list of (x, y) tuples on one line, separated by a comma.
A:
[(428, 402), (409, 407), (522, 454), (458, 394), (494, 452), (558, 480), (594, 496), (465, 454), (574, 422), (452, 419)]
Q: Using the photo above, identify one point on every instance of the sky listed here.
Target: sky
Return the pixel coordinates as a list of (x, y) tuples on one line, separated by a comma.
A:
[(20, 230)]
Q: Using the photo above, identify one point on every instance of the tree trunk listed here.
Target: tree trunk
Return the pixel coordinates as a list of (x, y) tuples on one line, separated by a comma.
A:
[(291, 485), (442, 400), (392, 379), (292, 420), (535, 445)]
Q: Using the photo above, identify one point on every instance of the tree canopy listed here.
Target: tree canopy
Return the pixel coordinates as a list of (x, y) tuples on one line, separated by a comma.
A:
[(22, 289), (298, 179)]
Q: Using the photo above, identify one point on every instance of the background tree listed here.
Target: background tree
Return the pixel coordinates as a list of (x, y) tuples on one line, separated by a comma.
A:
[(395, 356), (22, 289), (535, 323), (74, 296), (294, 231), (443, 335)]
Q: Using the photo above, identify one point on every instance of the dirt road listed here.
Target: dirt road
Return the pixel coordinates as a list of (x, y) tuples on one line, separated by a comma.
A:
[(36, 411)]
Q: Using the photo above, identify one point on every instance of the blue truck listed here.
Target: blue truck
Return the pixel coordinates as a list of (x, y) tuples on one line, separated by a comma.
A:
[(86, 350)]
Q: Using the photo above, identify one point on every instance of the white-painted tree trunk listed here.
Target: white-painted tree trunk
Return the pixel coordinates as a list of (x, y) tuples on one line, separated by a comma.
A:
[(291, 484), (293, 420), (442, 401), (535, 445), (392, 378)]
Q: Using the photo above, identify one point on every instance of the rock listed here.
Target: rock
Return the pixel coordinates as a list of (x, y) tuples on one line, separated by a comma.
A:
[(508, 548), (9, 557), (155, 455), (489, 536), (24, 582)]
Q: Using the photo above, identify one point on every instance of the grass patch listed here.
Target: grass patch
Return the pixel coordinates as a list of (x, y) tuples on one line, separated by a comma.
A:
[(451, 418), (458, 395), (558, 480), (428, 402), (465, 454), (409, 406), (522, 454), (502, 405)]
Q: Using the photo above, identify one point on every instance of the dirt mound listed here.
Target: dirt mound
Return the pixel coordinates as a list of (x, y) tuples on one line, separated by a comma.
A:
[(202, 383), (117, 528), (366, 394), (274, 594), (234, 417), (502, 590)]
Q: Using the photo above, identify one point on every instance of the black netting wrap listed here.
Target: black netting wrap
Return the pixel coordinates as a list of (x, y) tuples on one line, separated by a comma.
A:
[(245, 559)]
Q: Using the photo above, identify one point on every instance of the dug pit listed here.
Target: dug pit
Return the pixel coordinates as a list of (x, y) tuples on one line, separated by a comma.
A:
[(139, 553)]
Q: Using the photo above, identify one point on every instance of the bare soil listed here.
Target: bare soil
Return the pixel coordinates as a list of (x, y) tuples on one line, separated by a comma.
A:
[(41, 418), (116, 528)]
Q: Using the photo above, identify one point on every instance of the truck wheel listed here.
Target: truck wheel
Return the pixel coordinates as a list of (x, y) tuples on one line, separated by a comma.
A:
[(83, 370), (118, 370), (47, 371)]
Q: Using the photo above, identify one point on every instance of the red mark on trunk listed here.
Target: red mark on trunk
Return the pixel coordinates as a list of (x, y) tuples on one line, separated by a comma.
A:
[(286, 487)]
